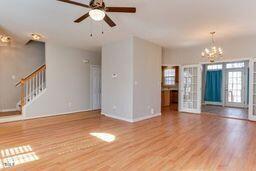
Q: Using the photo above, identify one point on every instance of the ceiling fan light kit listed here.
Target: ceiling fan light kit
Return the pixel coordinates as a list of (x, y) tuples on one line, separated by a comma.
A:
[(98, 11), (97, 14)]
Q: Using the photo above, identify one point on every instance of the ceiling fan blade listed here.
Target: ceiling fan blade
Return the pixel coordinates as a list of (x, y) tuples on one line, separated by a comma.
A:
[(109, 21), (121, 9), (75, 3), (82, 18)]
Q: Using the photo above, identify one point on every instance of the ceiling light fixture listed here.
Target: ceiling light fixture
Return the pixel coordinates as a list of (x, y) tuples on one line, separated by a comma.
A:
[(97, 14), (36, 37), (5, 39), (212, 53)]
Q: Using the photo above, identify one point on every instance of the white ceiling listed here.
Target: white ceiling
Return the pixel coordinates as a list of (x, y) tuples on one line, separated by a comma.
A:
[(170, 23)]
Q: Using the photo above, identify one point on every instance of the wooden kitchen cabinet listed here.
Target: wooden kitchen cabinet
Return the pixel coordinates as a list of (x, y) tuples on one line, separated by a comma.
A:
[(174, 96), (166, 98)]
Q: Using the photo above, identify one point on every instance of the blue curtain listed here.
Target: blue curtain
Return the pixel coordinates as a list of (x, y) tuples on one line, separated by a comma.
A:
[(213, 86)]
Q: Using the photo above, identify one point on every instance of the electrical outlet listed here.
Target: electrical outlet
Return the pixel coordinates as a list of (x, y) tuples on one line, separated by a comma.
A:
[(114, 107)]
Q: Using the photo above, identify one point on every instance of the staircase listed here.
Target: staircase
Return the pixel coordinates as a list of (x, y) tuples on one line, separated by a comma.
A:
[(31, 86)]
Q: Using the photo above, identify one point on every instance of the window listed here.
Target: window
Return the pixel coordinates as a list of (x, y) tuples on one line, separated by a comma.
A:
[(169, 76), (214, 67), (235, 65)]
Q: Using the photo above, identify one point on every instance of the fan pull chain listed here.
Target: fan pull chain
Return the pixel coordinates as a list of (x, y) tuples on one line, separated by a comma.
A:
[(102, 28), (91, 28)]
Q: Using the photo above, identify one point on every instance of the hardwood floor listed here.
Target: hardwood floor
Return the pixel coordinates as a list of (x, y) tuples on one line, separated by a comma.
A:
[(3, 114), (174, 141), (231, 112)]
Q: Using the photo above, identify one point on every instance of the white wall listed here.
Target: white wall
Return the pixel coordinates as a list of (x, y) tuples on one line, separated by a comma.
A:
[(16, 62), (137, 88), (117, 92), (67, 82), (236, 48), (147, 62)]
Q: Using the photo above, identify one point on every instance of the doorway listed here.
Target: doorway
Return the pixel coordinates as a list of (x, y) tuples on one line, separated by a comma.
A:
[(95, 72), (225, 89), (235, 88), (170, 88)]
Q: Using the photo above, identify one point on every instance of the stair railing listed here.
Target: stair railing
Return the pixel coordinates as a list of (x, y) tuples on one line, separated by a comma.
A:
[(31, 86)]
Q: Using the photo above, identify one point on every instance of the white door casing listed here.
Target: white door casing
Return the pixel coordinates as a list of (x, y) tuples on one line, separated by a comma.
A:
[(252, 90)]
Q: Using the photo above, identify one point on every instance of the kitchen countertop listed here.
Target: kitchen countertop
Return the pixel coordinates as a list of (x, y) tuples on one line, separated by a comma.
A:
[(170, 89)]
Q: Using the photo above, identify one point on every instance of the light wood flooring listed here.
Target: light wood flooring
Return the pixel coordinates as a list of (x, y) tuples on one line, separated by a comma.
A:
[(3, 114), (89, 141)]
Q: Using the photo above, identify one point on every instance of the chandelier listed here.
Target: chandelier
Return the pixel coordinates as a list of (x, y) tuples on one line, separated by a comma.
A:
[(212, 53)]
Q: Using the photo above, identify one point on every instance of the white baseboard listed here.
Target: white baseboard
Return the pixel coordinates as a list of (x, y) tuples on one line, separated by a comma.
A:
[(132, 120), (146, 117), (213, 103), (22, 117), (117, 117), (57, 114), (11, 119)]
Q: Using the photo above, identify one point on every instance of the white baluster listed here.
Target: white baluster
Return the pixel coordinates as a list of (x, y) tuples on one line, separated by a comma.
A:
[(30, 90), (36, 84), (39, 82), (33, 87), (43, 80), (26, 91)]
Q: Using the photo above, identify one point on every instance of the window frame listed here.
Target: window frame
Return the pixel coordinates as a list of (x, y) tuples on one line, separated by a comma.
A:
[(234, 66), (172, 77), (217, 67)]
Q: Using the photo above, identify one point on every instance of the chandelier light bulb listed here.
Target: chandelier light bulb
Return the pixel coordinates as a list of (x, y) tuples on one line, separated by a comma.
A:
[(5, 39)]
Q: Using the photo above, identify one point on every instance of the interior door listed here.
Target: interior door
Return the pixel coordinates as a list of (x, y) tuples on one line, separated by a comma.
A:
[(252, 90), (96, 87), (190, 86), (235, 92)]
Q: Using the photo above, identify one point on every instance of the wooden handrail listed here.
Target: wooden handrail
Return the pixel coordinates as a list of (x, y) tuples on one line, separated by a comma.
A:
[(32, 85), (31, 75)]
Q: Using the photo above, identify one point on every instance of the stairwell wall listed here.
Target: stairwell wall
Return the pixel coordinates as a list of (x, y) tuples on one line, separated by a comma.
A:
[(67, 82), (16, 62)]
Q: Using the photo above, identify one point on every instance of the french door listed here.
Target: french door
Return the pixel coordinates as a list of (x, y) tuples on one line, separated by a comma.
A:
[(190, 86), (234, 87), (252, 91)]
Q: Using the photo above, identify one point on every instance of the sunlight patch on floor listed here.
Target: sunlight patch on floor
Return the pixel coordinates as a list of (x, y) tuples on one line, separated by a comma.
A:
[(16, 156), (104, 136)]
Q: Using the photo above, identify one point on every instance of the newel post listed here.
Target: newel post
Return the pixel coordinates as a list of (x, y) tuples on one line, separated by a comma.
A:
[(22, 101)]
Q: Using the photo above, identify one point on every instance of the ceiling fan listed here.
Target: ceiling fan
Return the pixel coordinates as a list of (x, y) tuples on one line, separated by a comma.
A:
[(98, 11)]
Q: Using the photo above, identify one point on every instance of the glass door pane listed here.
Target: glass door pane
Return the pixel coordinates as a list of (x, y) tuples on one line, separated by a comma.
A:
[(190, 89), (235, 86)]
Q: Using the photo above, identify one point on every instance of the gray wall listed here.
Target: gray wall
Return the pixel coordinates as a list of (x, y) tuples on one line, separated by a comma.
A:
[(16, 62), (67, 82), (147, 78), (117, 92), (236, 48), (136, 91)]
